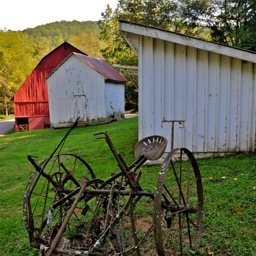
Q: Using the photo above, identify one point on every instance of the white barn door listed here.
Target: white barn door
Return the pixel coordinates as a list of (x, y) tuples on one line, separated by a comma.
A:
[(80, 107)]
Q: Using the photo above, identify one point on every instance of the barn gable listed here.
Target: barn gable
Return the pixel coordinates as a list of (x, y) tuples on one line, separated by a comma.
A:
[(31, 99), (85, 87), (198, 94)]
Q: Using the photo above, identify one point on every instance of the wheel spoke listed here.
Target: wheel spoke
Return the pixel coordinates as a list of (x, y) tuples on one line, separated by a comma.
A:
[(179, 219), (49, 194)]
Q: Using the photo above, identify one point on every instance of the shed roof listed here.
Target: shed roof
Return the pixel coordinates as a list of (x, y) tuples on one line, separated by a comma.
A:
[(99, 65), (166, 35)]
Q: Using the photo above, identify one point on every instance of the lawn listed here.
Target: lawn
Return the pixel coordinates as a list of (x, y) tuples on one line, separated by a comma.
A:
[(4, 117), (229, 185)]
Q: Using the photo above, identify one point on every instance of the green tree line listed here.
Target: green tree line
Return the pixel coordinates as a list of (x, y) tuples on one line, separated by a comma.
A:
[(21, 51), (228, 22)]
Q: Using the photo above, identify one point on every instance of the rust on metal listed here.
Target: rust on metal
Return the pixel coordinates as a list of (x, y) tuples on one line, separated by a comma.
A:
[(69, 211)]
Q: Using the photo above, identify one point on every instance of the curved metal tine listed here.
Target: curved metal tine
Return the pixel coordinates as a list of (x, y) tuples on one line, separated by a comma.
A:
[(60, 145)]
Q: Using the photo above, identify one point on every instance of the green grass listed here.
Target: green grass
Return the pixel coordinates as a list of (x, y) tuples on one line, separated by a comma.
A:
[(229, 185), (4, 117)]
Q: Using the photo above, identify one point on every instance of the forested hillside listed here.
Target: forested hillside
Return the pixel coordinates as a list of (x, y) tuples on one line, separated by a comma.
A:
[(21, 51), (83, 35), (230, 22)]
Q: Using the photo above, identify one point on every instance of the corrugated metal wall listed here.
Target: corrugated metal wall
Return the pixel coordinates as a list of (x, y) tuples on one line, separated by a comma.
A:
[(209, 98), (75, 90), (114, 99)]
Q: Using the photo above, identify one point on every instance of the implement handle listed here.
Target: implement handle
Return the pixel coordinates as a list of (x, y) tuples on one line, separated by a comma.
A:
[(65, 222), (122, 165)]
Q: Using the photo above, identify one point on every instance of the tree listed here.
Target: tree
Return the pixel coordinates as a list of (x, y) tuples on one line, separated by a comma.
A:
[(15, 64), (89, 43), (230, 22), (119, 52)]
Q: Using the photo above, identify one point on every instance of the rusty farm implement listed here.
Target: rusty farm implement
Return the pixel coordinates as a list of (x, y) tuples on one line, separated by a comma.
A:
[(70, 211)]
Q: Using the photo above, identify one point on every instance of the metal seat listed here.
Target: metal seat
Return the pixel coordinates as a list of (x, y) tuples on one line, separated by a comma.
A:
[(152, 147)]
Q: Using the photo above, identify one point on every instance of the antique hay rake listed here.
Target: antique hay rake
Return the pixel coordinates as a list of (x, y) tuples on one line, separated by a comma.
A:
[(70, 211)]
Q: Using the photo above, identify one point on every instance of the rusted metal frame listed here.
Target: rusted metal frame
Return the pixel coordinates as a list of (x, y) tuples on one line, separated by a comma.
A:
[(117, 218), (199, 184), (113, 178), (134, 233), (113, 202), (158, 206), (180, 234), (122, 165), (95, 192), (83, 161), (60, 145), (117, 191), (65, 222), (69, 175), (136, 247), (169, 194), (182, 209), (110, 202), (60, 202), (60, 251), (65, 198), (137, 163), (172, 129), (131, 176), (41, 172), (189, 234), (175, 208), (72, 192), (30, 225), (178, 182), (186, 209), (199, 195)]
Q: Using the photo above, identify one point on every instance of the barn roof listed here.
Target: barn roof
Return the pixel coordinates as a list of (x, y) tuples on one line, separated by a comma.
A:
[(128, 28), (99, 65), (66, 46), (35, 82)]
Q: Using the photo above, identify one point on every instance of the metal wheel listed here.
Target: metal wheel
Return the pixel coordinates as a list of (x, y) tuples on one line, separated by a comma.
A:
[(178, 204), (105, 229), (50, 193), (122, 228), (120, 223)]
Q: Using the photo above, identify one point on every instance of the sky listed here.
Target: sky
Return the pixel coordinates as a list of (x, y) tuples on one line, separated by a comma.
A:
[(21, 14)]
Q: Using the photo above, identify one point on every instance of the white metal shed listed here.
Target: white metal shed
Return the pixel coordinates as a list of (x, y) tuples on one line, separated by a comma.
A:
[(85, 87), (198, 94)]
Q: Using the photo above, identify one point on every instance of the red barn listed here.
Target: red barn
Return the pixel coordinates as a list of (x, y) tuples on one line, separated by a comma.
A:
[(31, 107)]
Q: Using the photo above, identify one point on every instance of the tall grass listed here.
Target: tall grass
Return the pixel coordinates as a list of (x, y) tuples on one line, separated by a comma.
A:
[(229, 185)]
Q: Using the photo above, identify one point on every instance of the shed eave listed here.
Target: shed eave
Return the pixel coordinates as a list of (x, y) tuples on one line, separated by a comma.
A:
[(182, 39)]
